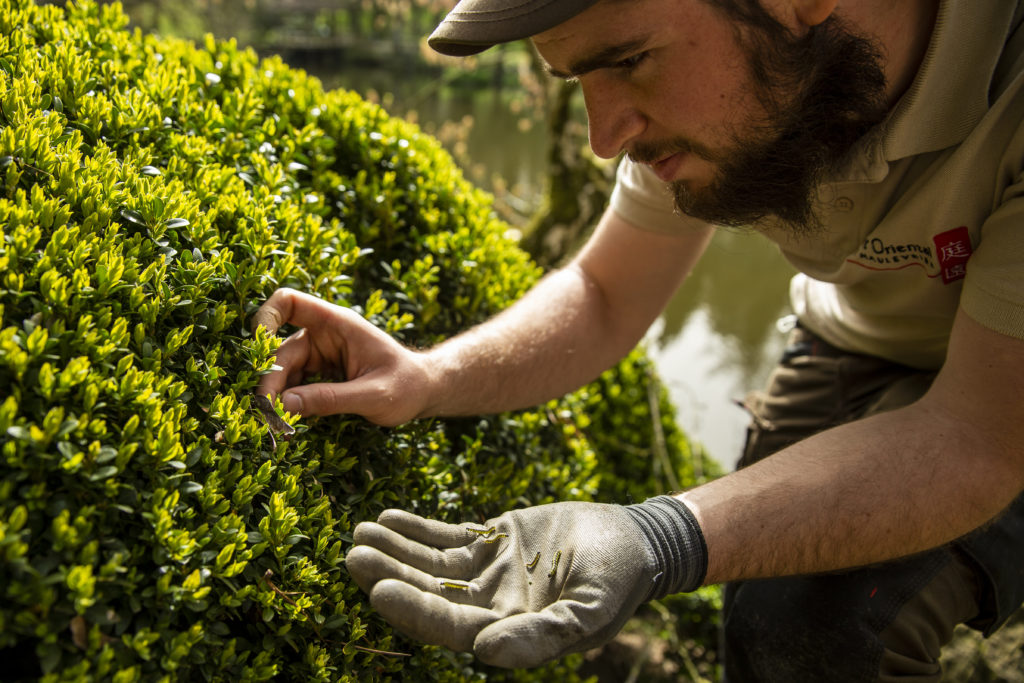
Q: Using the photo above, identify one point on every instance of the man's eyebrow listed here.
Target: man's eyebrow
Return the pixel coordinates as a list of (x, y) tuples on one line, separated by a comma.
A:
[(602, 59)]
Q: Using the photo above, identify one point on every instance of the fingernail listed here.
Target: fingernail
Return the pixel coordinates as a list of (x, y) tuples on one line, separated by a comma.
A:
[(292, 402)]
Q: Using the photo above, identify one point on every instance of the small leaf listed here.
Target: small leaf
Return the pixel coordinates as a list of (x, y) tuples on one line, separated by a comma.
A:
[(49, 657), (106, 454), (87, 132), (133, 217), (19, 432), (69, 425), (79, 633), (103, 473)]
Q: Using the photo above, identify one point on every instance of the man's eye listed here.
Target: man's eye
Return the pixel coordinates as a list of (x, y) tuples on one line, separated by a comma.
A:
[(630, 63)]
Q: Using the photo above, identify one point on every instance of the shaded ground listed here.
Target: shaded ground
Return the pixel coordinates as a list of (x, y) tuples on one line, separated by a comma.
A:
[(674, 639), (642, 653), (633, 657)]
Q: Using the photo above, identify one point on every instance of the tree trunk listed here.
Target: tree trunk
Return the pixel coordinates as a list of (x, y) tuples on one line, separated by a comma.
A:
[(577, 191)]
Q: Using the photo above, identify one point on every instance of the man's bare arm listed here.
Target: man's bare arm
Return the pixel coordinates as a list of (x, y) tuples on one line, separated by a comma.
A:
[(884, 487)]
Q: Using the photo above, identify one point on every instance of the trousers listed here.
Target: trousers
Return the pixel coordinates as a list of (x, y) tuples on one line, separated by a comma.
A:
[(885, 622)]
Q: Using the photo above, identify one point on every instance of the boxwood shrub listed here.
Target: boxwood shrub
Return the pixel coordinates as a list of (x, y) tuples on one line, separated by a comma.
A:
[(153, 192)]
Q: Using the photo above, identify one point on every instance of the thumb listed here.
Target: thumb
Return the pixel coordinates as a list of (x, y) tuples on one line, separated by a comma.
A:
[(324, 398), (428, 617), (529, 639), (358, 396), (268, 317)]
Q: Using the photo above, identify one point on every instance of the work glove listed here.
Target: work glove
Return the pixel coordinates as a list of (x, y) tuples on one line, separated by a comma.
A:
[(530, 585)]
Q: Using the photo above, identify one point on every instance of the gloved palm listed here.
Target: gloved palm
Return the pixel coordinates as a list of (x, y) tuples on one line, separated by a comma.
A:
[(518, 590)]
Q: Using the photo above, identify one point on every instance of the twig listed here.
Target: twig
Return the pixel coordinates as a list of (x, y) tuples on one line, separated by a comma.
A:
[(380, 652), (368, 649), (284, 595), (660, 449)]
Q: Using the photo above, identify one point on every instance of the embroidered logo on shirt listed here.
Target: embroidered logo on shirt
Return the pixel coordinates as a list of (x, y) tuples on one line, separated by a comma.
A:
[(953, 248), (947, 259), (876, 254)]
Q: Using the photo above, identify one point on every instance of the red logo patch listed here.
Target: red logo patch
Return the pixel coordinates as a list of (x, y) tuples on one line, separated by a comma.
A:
[(953, 248)]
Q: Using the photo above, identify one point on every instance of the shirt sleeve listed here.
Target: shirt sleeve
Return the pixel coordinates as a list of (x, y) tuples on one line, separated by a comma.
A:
[(993, 293)]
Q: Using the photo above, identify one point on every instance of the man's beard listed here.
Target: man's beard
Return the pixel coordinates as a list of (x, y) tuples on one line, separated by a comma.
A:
[(821, 94)]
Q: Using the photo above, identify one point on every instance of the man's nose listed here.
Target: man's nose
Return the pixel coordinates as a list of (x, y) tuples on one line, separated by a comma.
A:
[(612, 119)]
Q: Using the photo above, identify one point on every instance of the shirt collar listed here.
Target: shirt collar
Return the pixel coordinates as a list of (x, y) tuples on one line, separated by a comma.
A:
[(950, 93)]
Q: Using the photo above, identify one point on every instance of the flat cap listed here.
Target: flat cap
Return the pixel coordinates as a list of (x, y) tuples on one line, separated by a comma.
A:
[(475, 25)]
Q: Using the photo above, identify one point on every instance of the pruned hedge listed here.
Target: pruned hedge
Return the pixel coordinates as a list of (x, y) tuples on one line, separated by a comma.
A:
[(153, 193)]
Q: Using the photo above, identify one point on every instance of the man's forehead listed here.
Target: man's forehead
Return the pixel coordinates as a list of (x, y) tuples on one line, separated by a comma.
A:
[(599, 56), (605, 33)]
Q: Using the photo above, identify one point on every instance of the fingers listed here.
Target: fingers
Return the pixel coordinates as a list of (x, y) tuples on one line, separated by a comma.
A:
[(454, 563), (340, 344), (291, 358), (276, 311), (428, 617), (296, 352), (269, 315), (361, 396), (291, 306), (369, 566), (428, 531)]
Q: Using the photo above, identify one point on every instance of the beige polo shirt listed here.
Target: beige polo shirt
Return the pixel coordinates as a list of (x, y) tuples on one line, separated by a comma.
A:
[(930, 212)]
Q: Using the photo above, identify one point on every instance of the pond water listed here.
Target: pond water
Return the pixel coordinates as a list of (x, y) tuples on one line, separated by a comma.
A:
[(718, 338)]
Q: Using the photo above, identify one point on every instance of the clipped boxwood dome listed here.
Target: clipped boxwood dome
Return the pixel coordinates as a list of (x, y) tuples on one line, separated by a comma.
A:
[(152, 527)]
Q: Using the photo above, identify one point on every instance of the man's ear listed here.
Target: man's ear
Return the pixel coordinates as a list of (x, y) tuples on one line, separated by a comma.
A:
[(813, 12)]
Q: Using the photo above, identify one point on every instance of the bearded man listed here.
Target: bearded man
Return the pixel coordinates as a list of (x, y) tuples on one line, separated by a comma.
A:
[(877, 503)]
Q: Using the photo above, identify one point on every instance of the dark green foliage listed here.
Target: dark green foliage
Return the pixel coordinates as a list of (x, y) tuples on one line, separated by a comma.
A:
[(152, 194)]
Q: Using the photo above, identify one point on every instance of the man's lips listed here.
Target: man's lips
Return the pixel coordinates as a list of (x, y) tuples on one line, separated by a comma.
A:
[(667, 167)]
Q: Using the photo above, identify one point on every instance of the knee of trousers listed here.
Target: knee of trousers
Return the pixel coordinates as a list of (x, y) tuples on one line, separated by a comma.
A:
[(799, 629)]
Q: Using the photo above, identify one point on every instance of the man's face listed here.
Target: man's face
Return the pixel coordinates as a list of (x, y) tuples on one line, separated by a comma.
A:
[(741, 118)]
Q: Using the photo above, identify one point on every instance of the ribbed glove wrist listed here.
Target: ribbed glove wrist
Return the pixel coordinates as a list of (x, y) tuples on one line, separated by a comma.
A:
[(676, 540)]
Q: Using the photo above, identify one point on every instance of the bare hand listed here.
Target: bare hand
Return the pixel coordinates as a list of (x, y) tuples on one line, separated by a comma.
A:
[(377, 377)]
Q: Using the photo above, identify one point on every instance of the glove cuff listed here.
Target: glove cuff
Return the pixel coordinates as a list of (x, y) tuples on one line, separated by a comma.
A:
[(676, 541)]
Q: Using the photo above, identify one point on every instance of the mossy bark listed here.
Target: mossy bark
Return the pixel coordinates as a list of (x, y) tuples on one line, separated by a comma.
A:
[(577, 190)]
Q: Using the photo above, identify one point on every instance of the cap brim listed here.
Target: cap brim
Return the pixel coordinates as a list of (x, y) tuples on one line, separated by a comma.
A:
[(475, 25)]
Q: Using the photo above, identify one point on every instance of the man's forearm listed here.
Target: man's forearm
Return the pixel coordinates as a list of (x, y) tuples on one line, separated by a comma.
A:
[(865, 492), (574, 324), (556, 338), (884, 487)]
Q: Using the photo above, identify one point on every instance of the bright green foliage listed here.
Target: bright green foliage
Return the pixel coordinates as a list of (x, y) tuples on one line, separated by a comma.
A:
[(152, 194)]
